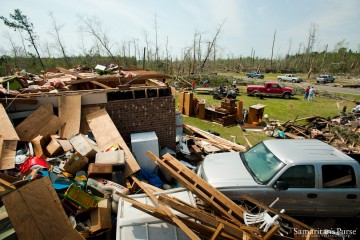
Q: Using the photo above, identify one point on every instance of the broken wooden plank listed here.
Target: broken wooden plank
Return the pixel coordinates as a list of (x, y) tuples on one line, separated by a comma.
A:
[(172, 216), (63, 70), (338, 181), (40, 122), (293, 136), (207, 218), (106, 135), (70, 113), (158, 213), (222, 204), (210, 136)]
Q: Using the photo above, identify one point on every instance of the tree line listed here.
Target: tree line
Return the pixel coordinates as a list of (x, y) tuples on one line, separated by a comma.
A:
[(203, 56)]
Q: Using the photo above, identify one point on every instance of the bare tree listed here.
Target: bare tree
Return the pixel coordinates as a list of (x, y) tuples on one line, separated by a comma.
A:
[(211, 46), (272, 50), (20, 22), (56, 34), (94, 27), (323, 60), (156, 40), (148, 50), (311, 41), (14, 49)]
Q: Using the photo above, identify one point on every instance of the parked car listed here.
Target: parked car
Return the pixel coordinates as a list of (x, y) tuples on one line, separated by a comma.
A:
[(289, 78), (325, 79), (272, 89), (255, 75), (310, 177)]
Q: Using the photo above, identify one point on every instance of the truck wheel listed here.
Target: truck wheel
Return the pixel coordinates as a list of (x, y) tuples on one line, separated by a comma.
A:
[(280, 79), (286, 95), (294, 81)]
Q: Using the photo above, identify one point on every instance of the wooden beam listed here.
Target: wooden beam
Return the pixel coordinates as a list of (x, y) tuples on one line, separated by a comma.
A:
[(219, 229), (63, 70), (222, 204), (158, 213), (210, 136), (209, 219), (173, 217)]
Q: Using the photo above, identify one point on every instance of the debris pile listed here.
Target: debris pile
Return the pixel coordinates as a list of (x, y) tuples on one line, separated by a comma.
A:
[(78, 78), (342, 131), (69, 185)]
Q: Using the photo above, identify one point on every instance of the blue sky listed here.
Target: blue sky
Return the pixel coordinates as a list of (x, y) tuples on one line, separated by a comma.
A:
[(249, 24)]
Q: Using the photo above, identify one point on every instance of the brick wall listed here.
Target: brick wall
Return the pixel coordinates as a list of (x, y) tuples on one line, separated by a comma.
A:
[(145, 115)]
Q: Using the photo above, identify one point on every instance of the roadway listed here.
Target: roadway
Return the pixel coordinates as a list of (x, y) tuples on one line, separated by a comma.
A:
[(318, 87)]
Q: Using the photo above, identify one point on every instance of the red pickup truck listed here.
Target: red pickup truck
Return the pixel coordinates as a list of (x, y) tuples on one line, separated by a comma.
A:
[(272, 89)]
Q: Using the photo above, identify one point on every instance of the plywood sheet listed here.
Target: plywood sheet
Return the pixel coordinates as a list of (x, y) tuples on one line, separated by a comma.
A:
[(35, 212), (70, 113), (181, 102), (84, 126), (41, 122), (188, 104), (7, 130), (106, 135)]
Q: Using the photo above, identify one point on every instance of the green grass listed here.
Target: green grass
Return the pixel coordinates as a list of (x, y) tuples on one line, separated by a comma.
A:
[(276, 108)]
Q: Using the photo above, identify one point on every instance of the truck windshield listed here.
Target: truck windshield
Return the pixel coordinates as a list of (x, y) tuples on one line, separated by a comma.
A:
[(262, 163)]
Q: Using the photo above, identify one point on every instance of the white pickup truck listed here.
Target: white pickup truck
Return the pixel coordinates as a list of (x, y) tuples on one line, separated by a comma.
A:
[(289, 78), (311, 178)]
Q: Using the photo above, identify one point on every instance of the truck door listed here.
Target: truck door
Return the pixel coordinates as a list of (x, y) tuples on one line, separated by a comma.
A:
[(338, 192), (301, 197), (275, 90)]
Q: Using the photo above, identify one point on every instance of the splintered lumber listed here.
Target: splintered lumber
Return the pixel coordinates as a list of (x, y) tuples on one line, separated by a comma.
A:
[(158, 213), (172, 216), (216, 143), (64, 70), (220, 140), (41, 122), (84, 78), (70, 113), (207, 218), (293, 136), (222, 204), (106, 135)]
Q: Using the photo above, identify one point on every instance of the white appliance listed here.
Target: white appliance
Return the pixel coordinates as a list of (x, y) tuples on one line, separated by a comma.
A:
[(141, 143)]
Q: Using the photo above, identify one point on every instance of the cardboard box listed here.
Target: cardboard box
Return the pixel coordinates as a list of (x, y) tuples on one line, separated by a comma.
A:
[(65, 144), (36, 212), (75, 163), (84, 146), (54, 148), (100, 170), (114, 158), (101, 216), (39, 144)]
